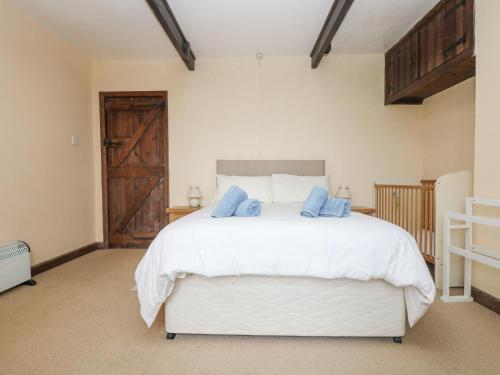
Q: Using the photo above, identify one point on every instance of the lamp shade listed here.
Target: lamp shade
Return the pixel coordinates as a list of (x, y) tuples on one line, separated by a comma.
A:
[(194, 192), (343, 192)]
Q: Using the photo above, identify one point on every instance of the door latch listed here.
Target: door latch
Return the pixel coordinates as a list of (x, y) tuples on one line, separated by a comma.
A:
[(108, 142)]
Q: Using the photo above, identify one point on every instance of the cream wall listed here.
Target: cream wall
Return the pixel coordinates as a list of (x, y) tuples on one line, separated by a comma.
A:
[(487, 137), (334, 113), (46, 184), (448, 131)]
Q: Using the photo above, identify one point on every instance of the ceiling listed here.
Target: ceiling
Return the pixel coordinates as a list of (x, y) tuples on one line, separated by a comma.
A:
[(224, 28)]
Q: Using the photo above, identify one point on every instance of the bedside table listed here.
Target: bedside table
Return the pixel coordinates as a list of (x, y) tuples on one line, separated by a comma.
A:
[(177, 212), (363, 210)]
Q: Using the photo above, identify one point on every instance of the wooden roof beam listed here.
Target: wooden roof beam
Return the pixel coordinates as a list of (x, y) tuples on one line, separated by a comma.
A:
[(167, 20), (332, 23)]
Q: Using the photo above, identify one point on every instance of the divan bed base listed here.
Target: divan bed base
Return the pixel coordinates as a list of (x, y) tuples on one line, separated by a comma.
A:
[(285, 306)]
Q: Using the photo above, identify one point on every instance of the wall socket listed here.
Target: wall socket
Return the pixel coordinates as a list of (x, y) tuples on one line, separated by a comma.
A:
[(75, 139)]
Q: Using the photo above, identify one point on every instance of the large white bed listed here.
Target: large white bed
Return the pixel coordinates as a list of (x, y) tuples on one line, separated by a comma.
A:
[(283, 274)]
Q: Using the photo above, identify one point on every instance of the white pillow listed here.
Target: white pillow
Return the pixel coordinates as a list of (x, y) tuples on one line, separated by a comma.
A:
[(290, 188), (257, 187)]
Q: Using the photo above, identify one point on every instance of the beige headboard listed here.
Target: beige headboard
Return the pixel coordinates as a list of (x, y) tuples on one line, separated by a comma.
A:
[(268, 167)]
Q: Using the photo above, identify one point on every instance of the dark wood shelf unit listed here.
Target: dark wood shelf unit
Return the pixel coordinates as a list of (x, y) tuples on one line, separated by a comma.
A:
[(437, 53)]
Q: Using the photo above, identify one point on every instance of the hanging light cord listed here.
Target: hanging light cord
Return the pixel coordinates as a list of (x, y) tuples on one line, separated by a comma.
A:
[(259, 61)]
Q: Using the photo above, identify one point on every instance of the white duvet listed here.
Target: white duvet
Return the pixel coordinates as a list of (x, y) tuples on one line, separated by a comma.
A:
[(280, 242)]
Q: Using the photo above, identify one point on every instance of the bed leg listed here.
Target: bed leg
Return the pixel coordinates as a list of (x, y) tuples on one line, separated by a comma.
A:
[(397, 339), (30, 282), (170, 336)]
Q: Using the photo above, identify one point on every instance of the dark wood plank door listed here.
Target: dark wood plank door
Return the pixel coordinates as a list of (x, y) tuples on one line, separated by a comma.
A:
[(459, 27), (432, 45), (134, 156)]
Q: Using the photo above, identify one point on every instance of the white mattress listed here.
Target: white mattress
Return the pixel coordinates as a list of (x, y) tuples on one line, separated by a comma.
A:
[(289, 306)]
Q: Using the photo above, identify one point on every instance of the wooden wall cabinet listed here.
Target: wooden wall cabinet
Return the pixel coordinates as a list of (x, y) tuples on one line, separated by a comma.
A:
[(437, 53)]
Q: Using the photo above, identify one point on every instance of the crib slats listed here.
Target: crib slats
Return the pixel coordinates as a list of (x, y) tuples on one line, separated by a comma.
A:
[(432, 228), (387, 204), (407, 209), (426, 221), (380, 212), (419, 221), (412, 207), (410, 212), (402, 208), (398, 206), (393, 205)]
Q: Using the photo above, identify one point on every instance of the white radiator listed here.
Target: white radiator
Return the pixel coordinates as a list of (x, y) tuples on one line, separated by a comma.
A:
[(14, 265)]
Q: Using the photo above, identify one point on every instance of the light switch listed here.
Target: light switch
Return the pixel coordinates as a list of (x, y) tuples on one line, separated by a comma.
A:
[(75, 139)]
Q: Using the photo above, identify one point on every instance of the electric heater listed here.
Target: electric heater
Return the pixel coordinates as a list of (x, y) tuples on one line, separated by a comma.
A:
[(15, 265)]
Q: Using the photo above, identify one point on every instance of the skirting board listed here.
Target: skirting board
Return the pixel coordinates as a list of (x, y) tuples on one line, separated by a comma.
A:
[(61, 259), (485, 299)]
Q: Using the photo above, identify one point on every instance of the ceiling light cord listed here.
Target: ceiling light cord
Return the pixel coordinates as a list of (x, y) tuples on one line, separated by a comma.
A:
[(259, 57)]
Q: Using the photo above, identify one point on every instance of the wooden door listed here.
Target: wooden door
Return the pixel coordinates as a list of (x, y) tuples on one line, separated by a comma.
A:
[(134, 159), (402, 64), (407, 71), (459, 30), (432, 43), (446, 34)]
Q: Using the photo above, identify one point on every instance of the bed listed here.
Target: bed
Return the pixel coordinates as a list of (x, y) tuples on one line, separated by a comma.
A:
[(282, 274)]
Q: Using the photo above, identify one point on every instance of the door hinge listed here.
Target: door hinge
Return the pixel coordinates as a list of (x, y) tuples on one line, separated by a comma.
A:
[(453, 10), (454, 45)]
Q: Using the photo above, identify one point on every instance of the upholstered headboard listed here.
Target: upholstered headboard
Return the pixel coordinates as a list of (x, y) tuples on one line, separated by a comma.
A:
[(268, 167)]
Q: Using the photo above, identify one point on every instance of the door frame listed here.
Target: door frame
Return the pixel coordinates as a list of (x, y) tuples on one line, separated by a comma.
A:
[(104, 162)]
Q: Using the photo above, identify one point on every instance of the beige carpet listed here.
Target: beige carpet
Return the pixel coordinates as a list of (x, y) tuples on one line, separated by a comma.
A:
[(82, 318)]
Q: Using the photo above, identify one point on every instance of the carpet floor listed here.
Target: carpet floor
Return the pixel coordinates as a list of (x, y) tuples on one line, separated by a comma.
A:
[(83, 318)]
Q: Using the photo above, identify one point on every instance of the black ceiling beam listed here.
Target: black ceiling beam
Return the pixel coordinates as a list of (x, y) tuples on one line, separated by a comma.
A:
[(332, 23), (167, 20)]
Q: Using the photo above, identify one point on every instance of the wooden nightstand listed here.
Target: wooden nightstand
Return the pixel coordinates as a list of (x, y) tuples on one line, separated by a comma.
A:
[(177, 212), (363, 210)]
